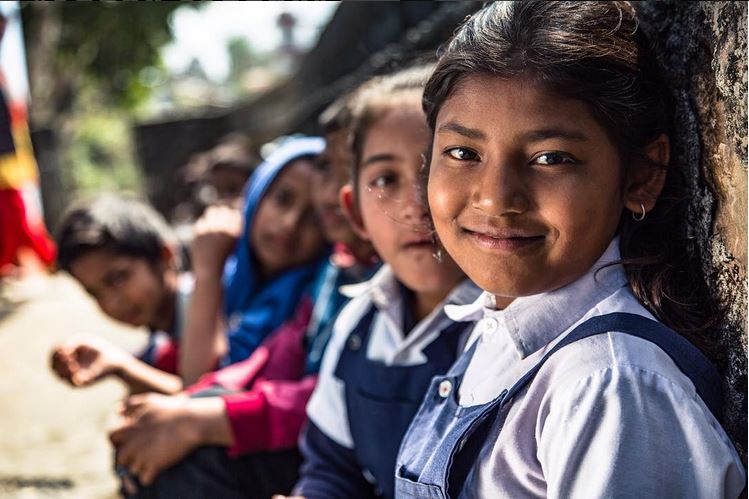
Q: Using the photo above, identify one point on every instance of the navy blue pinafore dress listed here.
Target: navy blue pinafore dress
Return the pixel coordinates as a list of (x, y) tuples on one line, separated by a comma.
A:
[(382, 399), (444, 439)]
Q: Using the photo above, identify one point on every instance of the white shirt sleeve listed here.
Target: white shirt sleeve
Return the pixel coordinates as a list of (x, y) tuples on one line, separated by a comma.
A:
[(625, 431)]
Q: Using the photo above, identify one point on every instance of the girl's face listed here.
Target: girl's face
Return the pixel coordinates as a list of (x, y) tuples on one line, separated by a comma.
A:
[(285, 231), (525, 187), (128, 289), (393, 214), (335, 171)]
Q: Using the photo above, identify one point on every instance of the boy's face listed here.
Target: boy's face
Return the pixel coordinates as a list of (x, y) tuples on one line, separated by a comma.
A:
[(335, 168), (525, 187), (391, 206), (127, 288), (285, 231)]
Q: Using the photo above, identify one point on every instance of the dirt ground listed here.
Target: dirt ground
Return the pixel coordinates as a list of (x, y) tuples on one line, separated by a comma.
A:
[(53, 437)]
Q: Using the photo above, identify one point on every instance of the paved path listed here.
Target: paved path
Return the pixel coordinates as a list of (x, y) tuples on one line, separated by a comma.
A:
[(53, 437)]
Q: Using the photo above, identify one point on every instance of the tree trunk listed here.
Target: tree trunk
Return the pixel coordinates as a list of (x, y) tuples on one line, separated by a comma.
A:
[(704, 51)]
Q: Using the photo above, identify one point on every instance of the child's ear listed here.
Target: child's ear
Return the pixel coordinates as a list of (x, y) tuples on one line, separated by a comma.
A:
[(168, 257), (646, 181), (347, 198)]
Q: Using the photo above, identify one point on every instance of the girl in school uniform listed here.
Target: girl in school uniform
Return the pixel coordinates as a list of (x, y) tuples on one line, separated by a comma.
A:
[(550, 186), (393, 336), (250, 273)]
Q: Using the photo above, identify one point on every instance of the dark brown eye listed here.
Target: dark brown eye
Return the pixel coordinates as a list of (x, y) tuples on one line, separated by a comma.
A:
[(553, 158), (462, 154)]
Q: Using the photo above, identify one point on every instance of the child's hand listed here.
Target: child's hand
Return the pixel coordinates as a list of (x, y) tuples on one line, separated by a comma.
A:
[(158, 432), (81, 362), (214, 236)]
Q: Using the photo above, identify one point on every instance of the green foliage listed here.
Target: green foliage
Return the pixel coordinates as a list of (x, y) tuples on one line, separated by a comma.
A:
[(100, 155), (108, 42), (99, 62), (241, 56)]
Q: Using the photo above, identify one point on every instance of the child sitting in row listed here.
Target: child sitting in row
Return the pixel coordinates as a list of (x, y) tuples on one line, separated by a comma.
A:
[(247, 286), (124, 255), (236, 434), (393, 336), (550, 185)]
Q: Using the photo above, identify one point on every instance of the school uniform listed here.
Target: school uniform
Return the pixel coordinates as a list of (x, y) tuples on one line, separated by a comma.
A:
[(609, 415), (371, 382), (162, 350)]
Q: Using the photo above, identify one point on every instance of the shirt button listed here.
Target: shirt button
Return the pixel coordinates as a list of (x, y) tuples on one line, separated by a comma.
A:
[(490, 325), (354, 342), (445, 388)]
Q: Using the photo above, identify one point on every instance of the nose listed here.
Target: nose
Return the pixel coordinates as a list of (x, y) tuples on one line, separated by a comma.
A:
[(292, 221), (328, 191), (111, 303), (500, 190), (414, 202)]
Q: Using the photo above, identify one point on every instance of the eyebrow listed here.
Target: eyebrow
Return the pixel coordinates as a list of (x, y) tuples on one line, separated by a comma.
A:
[(554, 133), (376, 158), (471, 133), (534, 135)]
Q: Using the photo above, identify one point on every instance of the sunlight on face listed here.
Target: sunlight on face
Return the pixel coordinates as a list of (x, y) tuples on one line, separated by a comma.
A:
[(524, 187), (393, 209)]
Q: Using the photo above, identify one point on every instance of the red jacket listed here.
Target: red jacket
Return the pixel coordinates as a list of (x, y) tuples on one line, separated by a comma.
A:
[(267, 410)]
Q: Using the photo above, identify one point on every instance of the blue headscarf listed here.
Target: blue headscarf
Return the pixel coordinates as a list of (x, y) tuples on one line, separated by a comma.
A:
[(253, 310)]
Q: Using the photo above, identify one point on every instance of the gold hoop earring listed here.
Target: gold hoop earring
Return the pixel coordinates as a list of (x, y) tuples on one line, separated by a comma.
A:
[(641, 217)]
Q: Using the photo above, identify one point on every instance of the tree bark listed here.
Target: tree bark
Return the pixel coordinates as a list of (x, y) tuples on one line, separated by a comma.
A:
[(703, 49)]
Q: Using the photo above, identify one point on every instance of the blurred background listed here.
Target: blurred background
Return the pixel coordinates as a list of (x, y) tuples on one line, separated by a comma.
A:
[(130, 97)]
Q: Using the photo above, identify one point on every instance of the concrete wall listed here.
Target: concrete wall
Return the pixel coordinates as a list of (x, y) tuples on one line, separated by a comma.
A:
[(703, 48)]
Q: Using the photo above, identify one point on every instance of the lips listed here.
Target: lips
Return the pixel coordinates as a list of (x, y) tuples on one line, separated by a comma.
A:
[(417, 242), (282, 242), (330, 215), (131, 317), (503, 238)]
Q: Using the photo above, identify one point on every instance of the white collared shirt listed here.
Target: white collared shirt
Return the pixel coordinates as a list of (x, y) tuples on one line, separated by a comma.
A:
[(388, 343), (607, 416)]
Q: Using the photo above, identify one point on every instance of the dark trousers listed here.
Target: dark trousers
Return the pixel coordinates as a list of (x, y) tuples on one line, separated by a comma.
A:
[(210, 473)]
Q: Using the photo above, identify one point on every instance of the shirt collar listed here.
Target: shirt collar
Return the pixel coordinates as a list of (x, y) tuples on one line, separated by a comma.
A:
[(533, 321), (384, 289)]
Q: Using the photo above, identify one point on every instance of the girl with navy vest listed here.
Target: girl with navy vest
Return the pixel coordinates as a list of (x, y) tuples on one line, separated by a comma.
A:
[(393, 336), (550, 186)]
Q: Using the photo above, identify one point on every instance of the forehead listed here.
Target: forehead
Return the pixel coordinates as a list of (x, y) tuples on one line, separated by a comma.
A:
[(295, 172), (94, 265), (337, 148), (495, 102), (399, 130)]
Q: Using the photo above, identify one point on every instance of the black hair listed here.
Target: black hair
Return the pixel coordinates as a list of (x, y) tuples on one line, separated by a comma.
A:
[(596, 53), (375, 98), (124, 226), (337, 116)]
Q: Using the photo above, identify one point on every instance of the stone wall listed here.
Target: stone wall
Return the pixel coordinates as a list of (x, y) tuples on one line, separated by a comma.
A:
[(703, 48)]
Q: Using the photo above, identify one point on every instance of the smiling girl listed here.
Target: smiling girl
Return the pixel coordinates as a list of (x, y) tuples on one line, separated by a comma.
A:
[(253, 268), (393, 336), (550, 186)]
